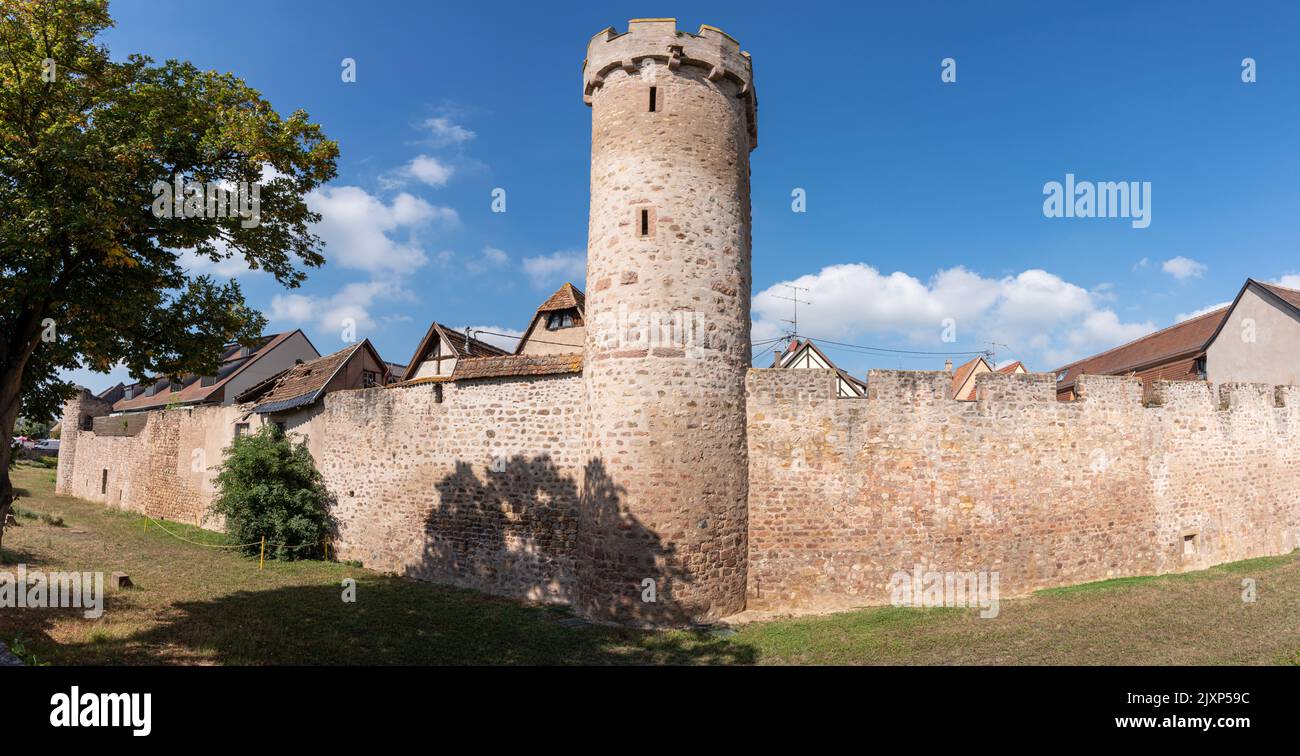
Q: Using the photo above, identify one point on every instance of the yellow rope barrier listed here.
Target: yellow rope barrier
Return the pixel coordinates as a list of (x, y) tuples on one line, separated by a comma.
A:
[(262, 543)]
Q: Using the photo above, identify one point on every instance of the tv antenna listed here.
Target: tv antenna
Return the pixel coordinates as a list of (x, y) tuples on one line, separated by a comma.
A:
[(794, 290)]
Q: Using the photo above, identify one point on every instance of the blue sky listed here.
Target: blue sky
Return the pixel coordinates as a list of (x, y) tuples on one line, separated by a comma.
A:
[(924, 198)]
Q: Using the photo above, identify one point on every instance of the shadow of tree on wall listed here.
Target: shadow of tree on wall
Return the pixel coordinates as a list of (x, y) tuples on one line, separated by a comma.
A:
[(618, 545), (393, 621), (519, 530), (513, 532)]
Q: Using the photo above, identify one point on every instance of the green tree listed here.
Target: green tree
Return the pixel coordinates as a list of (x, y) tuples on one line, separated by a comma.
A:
[(91, 274), (268, 487)]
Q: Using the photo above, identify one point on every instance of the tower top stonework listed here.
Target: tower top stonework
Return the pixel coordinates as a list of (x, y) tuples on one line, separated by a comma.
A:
[(658, 40)]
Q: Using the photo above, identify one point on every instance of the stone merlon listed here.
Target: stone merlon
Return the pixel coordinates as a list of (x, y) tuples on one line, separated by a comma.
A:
[(659, 40)]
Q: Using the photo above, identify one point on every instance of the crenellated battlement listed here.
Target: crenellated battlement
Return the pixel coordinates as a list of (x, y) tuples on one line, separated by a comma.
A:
[(658, 39), (916, 390)]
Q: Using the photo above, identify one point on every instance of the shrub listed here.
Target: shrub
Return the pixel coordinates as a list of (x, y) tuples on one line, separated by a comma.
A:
[(268, 487), (52, 520), (49, 462)]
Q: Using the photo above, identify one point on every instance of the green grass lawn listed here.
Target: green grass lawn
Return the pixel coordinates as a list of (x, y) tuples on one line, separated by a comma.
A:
[(196, 605)]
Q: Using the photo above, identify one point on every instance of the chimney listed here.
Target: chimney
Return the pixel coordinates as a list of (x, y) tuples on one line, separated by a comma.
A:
[(947, 365)]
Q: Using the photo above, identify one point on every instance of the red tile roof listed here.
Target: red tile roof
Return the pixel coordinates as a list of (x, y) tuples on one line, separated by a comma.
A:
[(567, 297), (306, 379), (960, 375), (1012, 367), (1180, 340), (1290, 296), (233, 362), (518, 365)]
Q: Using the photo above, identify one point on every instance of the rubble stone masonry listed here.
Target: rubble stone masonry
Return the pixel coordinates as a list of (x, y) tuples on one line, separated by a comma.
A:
[(481, 489), (846, 492)]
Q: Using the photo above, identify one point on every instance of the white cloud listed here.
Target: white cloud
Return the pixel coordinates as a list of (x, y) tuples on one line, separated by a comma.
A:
[(549, 271), (443, 131), (331, 315), (1042, 318), (492, 259), (363, 232), (1183, 268), (423, 168), (196, 264), (1180, 317), (498, 336), (1288, 281)]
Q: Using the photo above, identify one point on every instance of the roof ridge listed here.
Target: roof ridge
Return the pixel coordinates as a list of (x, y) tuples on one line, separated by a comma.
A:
[(1179, 324)]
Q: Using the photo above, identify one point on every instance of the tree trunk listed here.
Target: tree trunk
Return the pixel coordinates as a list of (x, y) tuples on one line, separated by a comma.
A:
[(12, 365)]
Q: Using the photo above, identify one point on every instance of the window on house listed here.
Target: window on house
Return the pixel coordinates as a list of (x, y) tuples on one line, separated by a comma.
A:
[(175, 385), (280, 426), (88, 423), (369, 378), (245, 351), (103, 482), (128, 392), (1061, 376), (437, 393), (557, 320), (1200, 368), (644, 228), (654, 99), (241, 429), (208, 380), (1189, 544)]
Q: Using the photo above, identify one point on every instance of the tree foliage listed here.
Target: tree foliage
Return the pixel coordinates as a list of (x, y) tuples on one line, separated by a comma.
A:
[(268, 487), (91, 276)]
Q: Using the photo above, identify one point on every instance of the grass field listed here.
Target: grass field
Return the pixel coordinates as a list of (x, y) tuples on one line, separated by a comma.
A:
[(196, 605)]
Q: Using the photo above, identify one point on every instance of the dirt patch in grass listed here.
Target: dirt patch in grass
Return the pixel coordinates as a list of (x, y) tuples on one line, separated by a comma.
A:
[(197, 605)]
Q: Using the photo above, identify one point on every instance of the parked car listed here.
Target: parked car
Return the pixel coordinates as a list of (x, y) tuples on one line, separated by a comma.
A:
[(47, 444)]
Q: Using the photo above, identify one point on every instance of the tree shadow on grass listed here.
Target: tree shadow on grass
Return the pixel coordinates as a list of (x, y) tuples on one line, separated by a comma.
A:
[(392, 622)]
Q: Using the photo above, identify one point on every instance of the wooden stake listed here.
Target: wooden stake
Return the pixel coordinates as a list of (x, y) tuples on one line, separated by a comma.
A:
[(262, 559)]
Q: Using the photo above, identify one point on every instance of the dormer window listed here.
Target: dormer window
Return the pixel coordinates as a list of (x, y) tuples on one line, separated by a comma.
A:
[(245, 351), (128, 392), (557, 320), (208, 380), (1061, 376)]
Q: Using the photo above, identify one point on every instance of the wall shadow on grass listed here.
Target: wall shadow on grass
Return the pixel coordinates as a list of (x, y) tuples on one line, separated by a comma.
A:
[(393, 621)]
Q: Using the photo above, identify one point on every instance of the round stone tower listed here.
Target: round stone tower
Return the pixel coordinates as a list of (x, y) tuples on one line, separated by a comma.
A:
[(662, 531)]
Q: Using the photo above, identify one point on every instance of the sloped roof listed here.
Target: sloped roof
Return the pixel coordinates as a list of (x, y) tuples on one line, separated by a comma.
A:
[(1012, 367), (303, 383), (464, 348), (517, 365), (961, 373), (1187, 338), (233, 362), (796, 346), (1290, 296), (567, 297)]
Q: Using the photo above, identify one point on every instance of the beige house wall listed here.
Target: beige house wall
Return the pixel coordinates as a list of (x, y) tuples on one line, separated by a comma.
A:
[(1259, 343), (559, 341)]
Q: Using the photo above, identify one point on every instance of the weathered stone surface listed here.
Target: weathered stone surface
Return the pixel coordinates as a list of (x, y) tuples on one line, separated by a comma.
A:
[(845, 492), (668, 257)]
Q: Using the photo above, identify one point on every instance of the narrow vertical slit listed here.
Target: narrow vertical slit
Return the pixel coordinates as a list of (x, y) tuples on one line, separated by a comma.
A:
[(645, 222), (654, 93)]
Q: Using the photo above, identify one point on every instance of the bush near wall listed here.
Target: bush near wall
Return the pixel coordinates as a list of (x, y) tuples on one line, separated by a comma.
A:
[(268, 487)]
